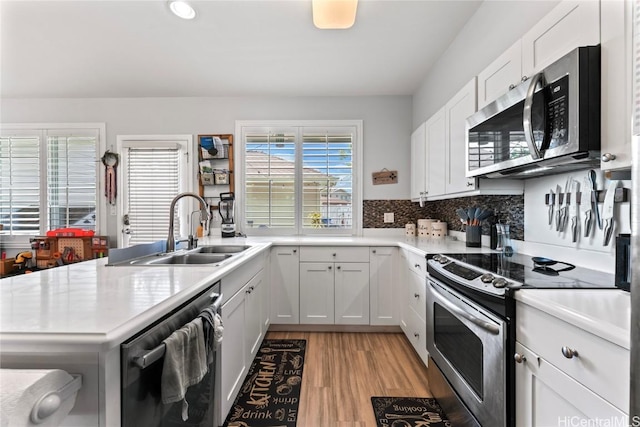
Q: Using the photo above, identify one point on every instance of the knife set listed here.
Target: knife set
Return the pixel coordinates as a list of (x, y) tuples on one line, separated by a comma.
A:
[(563, 206)]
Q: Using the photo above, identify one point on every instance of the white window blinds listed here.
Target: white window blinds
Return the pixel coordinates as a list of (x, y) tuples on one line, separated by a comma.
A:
[(270, 175), (153, 176), (327, 180), (300, 179), (20, 194), (48, 179), (71, 181)]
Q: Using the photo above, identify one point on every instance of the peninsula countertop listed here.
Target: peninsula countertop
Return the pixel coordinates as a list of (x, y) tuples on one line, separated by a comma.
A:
[(92, 305)]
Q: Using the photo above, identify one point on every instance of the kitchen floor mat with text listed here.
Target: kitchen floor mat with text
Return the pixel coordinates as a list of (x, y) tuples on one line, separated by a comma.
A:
[(270, 394), (408, 412)]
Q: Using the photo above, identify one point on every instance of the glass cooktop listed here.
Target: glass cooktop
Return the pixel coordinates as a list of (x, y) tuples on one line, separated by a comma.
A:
[(521, 270)]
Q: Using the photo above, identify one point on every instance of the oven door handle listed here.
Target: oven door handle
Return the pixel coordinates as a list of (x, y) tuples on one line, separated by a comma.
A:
[(527, 122), (490, 327)]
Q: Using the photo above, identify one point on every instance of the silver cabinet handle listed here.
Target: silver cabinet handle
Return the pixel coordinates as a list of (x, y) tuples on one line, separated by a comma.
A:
[(329, 267), (417, 266), (519, 358), (338, 267), (469, 184), (373, 251), (417, 296), (569, 353), (295, 250), (417, 335), (607, 157), (333, 254)]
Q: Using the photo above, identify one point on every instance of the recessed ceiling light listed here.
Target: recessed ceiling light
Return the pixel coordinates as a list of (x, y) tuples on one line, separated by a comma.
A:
[(182, 9)]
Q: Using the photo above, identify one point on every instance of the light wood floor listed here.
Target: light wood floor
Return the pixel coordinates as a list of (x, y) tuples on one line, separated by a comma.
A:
[(343, 370)]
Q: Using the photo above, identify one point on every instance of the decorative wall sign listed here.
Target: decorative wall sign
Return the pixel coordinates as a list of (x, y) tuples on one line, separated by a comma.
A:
[(385, 176)]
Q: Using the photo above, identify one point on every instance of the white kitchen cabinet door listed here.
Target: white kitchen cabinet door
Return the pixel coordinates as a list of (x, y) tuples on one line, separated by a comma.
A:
[(546, 396), (254, 321), (417, 334), (616, 51), (403, 290), (461, 106), (233, 351), (569, 25), (435, 129), (503, 73), (351, 289), (317, 293), (285, 285), (418, 163), (383, 286)]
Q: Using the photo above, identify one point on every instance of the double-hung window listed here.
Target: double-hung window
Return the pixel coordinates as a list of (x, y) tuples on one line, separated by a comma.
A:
[(49, 178), (299, 177)]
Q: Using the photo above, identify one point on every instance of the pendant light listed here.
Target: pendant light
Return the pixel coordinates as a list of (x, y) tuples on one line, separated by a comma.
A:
[(334, 14)]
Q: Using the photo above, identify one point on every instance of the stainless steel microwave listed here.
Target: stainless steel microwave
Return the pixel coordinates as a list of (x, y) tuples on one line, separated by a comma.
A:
[(549, 123)]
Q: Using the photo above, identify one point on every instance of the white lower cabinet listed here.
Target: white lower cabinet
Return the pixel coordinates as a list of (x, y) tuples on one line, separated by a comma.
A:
[(245, 321), (334, 293), (413, 303), (316, 293), (383, 284), (547, 396), (232, 361), (566, 375), (285, 285)]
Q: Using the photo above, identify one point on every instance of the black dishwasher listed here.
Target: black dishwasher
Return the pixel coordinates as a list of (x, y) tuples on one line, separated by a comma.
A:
[(142, 358)]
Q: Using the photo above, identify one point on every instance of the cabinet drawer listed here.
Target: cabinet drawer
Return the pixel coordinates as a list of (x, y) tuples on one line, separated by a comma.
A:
[(334, 254), (417, 264), (600, 365)]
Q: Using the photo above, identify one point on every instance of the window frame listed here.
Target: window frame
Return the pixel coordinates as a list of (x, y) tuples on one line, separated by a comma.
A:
[(19, 241), (244, 126)]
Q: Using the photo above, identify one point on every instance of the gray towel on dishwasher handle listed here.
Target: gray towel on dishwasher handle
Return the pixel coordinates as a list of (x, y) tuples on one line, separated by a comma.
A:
[(213, 331), (185, 363)]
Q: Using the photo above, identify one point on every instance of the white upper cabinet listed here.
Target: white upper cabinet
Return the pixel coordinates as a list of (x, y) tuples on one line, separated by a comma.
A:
[(436, 139), (418, 163), (501, 75), (616, 67), (569, 25), (461, 106)]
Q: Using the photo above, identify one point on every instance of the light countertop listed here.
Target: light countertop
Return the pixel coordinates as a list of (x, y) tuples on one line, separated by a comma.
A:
[(96, 306)]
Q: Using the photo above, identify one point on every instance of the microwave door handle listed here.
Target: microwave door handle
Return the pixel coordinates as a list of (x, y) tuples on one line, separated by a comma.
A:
[(527, 123), (490, 327)]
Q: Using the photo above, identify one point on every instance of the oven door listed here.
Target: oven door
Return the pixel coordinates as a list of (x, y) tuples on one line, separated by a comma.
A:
[(468, 345)]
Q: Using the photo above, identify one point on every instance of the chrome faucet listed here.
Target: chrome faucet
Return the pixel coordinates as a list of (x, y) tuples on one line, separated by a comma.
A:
[(204, 209)]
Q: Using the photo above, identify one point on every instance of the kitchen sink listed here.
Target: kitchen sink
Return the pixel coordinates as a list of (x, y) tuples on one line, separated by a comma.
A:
[(204, 255), (188, 258), (222, 249)]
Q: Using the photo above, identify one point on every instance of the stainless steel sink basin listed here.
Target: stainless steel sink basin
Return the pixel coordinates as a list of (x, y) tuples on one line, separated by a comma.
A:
[(188, 258), (222, 249)]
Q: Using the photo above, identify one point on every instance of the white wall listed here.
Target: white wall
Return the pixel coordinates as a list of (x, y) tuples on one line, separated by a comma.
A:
[(495, 26)]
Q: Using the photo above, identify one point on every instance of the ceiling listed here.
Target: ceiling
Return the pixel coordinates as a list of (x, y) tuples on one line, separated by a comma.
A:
[(52, 49)]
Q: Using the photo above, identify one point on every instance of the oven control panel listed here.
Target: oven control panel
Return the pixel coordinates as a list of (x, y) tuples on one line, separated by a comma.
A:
[(469, 275)]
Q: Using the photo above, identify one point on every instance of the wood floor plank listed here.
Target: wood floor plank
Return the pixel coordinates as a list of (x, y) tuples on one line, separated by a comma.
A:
[(343, 370)]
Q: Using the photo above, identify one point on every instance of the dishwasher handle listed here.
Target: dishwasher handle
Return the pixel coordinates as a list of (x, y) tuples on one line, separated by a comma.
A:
[(157, 353)]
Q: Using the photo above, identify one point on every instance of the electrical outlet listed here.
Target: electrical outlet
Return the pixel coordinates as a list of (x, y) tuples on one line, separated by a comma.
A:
[(388, 217)]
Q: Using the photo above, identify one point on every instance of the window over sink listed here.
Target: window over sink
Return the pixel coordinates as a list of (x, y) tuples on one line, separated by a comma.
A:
[(299, 177)]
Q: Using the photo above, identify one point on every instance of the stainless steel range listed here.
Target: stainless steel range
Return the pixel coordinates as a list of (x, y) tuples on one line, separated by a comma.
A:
[(471, 328)]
